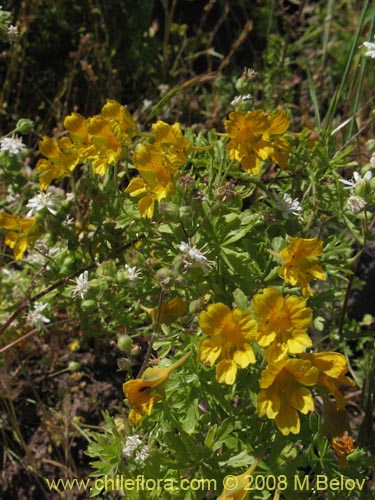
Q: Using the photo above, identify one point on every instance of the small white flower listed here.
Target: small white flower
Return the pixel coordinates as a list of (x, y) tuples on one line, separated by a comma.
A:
[(81, 285), (68, 221), (239, 99), (372, 160), (41, 201), (134, 448), (370, 46), (287, 205), (70, 196), (12, 145), (12, 196), (13, 33), (163, 88), (356, 204), (132, 272), (35, 316), (146, 103), (194, 256), (356, 179)]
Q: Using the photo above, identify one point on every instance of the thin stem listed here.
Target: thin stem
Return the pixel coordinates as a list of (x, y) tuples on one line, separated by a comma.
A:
[(154, 335)]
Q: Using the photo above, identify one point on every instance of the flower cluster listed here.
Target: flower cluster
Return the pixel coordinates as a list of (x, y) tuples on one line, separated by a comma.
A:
[(98, 140), (278, 324), (157, 163)]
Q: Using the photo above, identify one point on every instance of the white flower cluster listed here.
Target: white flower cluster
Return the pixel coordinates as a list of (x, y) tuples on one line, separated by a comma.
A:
[(12, 145), (191, 255), (35, 316), (133, 273), (287, 205), (356, 203), (135, 449), (81, 285), (39, 202)]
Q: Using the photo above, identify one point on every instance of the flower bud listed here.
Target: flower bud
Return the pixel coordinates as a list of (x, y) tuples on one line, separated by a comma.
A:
[(363, 188), (74, 366), (106, 269), (124, 343), (24, 126), (170, 210), (244, 84)]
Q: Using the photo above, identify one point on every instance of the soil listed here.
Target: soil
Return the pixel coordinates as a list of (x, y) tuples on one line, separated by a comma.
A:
[(39, 405)]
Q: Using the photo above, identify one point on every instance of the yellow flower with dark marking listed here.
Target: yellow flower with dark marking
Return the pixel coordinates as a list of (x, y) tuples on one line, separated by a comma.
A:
[(141, 394), (332, 368), (230, 336), (22, 232), (284, 393), (300, 259), (282, 324), (255, 136)]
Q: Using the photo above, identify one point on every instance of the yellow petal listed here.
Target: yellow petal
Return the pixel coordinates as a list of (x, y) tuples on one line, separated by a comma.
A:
[(208, 351), (146, 206), (210, 321), (287, 420), (226, 372), (243, 357), (268, 403), (279, 122), (301, 399)]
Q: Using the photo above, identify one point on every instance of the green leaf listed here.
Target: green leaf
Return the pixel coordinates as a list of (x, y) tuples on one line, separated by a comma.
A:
[(190, 422)]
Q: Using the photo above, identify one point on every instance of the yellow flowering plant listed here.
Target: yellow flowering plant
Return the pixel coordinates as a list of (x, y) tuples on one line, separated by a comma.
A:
[(157, 239)]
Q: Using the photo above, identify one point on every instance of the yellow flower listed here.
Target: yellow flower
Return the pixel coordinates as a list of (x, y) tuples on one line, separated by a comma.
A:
[(230, 335), (156, 181), (282, 322), (300, 258), (23, 232), (100, 139), (170, 310), (332, 368), (237, 487), (254, 136), (283, 393), (142, 393), (172, 142), (62, 159), (122, 124)]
